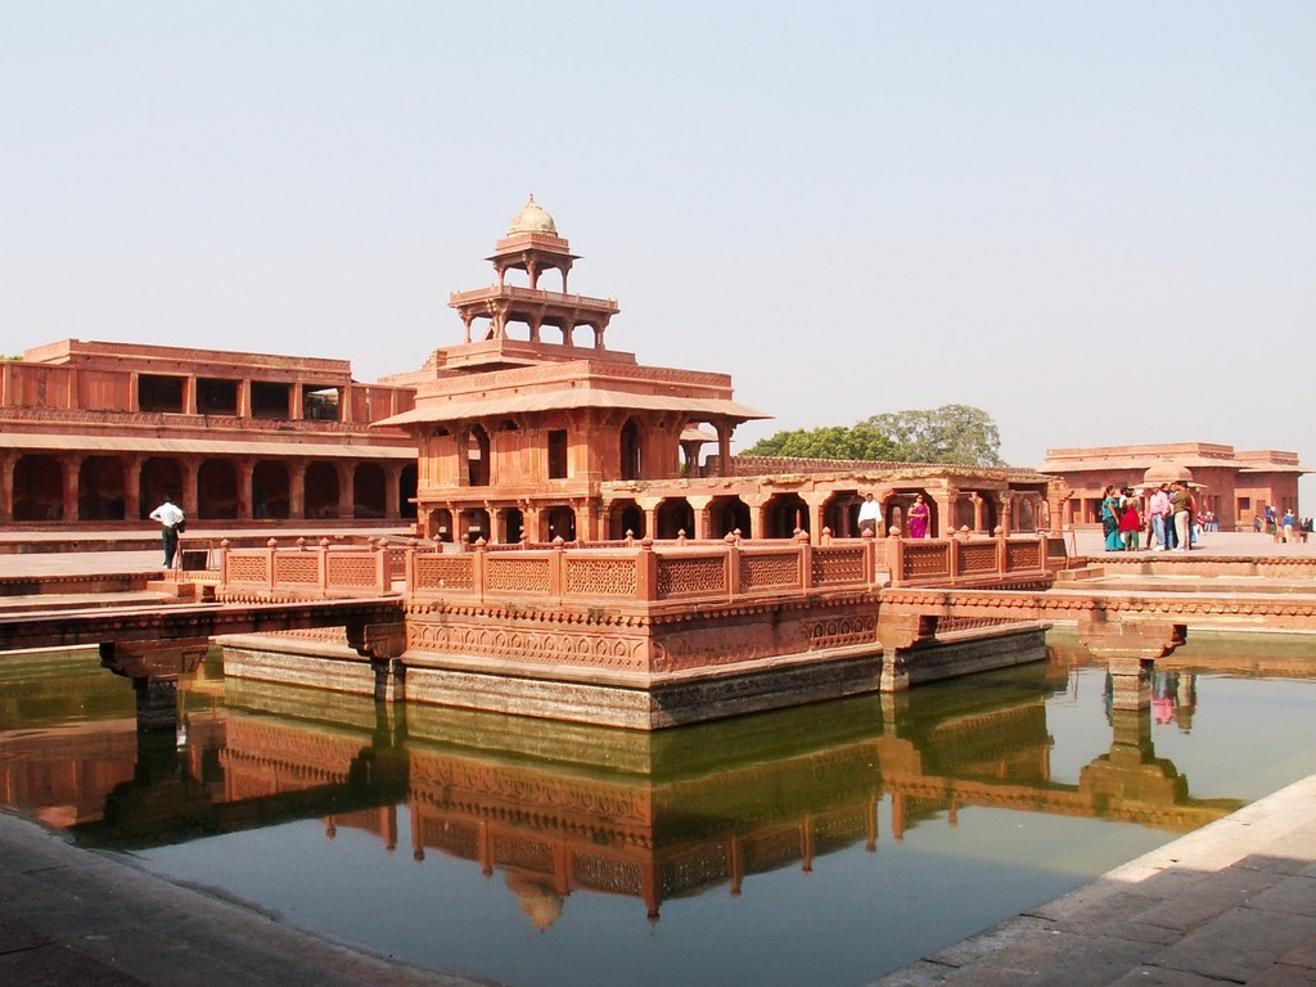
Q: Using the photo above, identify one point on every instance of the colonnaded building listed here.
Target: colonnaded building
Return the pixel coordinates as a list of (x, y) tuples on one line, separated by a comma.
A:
[(1236, 486)]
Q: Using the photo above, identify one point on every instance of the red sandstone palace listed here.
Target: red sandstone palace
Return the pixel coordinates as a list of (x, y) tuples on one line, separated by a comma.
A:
[(523, 436)]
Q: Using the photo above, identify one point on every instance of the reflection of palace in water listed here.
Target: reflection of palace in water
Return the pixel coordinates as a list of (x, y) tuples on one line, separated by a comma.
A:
[(563, 807)]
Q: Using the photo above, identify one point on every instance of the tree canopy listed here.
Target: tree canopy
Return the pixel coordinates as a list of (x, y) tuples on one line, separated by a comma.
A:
[(953, 433)]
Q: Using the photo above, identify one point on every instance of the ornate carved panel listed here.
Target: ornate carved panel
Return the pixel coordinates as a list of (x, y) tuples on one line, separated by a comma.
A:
[(445, 572), (303, 568), (351, 571), (248, 569), (516, 575), (977, 557), (926, 559), (841, 631), (601, 577), (1022, 555), (761, 571), (605, 874), (678, 577), (838, 564)]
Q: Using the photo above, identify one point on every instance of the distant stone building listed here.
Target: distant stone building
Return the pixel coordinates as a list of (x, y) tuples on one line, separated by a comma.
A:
[(98, 433), (1236, 486)]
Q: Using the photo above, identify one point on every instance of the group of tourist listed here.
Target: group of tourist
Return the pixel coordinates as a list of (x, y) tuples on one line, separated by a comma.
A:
[(1169, 520), (1287, 529)]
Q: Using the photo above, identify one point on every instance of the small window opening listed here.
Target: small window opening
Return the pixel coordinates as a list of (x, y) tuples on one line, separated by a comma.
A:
[(557, 454), (160, 393), (320, 403), (216, 397), (269, 400)]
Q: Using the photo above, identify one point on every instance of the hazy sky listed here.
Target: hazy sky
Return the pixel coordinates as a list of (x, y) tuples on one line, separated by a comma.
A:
[(1095, 220)]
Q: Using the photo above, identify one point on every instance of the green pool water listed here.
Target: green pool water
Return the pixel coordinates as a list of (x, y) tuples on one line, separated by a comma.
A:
[(825, 844)]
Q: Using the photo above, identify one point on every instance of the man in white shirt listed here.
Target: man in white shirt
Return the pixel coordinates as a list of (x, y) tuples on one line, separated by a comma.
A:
[(168, 515), (870, 512)]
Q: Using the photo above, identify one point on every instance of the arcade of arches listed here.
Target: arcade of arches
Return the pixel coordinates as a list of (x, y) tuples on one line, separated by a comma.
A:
[(73, 487)]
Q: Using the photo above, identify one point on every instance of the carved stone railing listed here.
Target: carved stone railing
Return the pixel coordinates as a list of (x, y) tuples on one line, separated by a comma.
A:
[(643, 571), (306, 570), (966, 559)]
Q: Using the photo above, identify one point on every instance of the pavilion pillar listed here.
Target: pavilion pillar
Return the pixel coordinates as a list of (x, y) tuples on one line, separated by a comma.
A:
[(189, 394), (7, 465), (724, 430), (246, 469), (703, 517), (1003, 516), (132, 488), (586, 521), (346, 493), (188, 469), (817, 503), (758, 520), (979, 511), (345, 403), (244, 398), (530, 524), (297, 488), (72, 464), (393, 491), (651, 522), (297, 401), (945, 515)]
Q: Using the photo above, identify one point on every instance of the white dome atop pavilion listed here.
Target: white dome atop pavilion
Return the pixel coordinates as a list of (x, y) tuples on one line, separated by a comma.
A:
[(532, 219)]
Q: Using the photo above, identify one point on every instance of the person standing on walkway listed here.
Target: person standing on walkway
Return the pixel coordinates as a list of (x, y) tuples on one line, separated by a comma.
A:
[(869, 514), (1110, 518), (1288, 526), (1159, 509), (1130, 526), (1182, 503), (170, 516)]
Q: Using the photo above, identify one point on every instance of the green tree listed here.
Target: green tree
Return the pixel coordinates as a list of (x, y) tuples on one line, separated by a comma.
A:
[(828, 442), (953, 433)]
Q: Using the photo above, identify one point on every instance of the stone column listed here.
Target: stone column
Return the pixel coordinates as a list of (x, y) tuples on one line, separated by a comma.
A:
[(189, 395), (703, 517), (392, 491), (979, 511), (297, 488), (346, 491), (189, 469), (132, 488), (816, 502), (758, 518), (7, 465), (296, 401), (724, 430), (244, 399), (71, 465), (345, 405), (246, 468)]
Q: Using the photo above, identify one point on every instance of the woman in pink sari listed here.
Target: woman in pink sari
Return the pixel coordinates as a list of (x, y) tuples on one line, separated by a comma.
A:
[(918, 518)]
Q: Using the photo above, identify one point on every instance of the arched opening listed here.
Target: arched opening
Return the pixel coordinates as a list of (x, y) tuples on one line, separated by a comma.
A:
[(407, 492), (964, 515), (217, 489), (159, 478), (632, 458), (727, 515), (1024, 515), (38, 489), (474, 525), (477, 458), (559, 522), (368, 491), (100, 489), (841, 513), (901, 500), (321, 490), (439, 524), (674, 516), (269, 489), (511, 523), (784, 514), (624, 516)]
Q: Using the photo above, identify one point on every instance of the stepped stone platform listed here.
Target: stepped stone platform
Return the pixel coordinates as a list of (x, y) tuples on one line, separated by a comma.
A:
[(1233, 902)]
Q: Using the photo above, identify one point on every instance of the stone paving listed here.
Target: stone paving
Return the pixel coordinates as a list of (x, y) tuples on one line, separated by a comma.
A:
[(1233, 902), (72, 917)]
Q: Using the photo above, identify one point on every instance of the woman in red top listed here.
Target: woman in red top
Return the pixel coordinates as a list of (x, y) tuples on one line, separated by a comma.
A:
[(1130, 526)]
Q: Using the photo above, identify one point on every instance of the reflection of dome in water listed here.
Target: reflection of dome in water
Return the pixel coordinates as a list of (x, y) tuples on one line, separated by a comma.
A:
[(1166, 472), (540, 904), (532, 219), (541, 907)]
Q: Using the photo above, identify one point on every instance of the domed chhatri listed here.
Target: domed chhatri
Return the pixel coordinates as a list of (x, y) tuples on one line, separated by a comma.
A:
[(1165, 471), (532, 219)]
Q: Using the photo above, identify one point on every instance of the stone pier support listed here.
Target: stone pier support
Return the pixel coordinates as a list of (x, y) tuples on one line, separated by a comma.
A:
[(1130, 649)]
